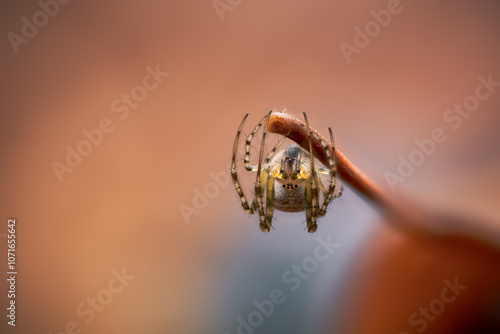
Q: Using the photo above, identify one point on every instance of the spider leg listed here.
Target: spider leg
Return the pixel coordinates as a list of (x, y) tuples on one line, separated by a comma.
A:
[(321, 186), (278, 144), (248, 142), (312, 216), (309, 216), (248, 208), (258, 183), (326, 195), (331, 191), (268, 158), (330, 156), (270, 198)]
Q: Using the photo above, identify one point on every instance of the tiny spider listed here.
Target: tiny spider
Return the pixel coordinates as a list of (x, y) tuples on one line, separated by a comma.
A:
[(290, 179)]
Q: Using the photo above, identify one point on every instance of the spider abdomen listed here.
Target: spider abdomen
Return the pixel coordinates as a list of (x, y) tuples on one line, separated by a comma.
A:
[(289, 197)]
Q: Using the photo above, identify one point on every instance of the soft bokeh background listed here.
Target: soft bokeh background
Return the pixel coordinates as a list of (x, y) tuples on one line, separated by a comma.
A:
[(121, 207)]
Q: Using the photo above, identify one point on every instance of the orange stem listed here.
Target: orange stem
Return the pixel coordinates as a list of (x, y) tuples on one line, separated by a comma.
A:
[(401, 214)]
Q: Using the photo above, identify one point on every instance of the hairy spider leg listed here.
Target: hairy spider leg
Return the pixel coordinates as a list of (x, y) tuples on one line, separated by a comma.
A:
[(246, 160), (248, 143), (333, 171), (270, 196), (278, 144), (248, 208), (264, 225), (311, 188)]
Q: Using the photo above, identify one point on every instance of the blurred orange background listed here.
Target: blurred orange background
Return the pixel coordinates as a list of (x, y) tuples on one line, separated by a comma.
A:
[(122, 205)]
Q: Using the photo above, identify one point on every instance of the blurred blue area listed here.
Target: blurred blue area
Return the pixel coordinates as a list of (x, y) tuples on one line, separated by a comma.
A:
[(257, 266)]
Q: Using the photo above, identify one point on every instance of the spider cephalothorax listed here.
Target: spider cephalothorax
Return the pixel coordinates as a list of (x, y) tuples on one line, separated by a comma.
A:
[(290, 179), (290, 162)]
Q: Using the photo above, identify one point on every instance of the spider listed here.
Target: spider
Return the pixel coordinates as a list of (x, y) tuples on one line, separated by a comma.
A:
[(290, 179)]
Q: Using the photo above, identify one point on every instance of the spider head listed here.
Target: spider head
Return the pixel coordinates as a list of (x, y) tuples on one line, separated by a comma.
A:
[(290, 163)]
